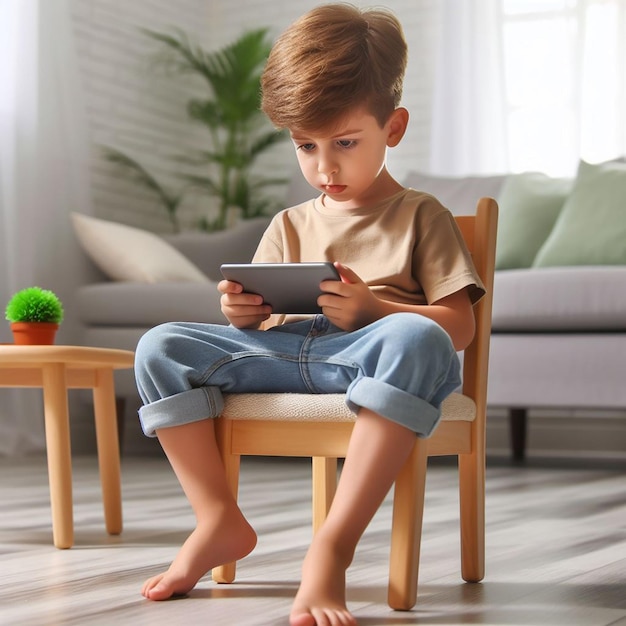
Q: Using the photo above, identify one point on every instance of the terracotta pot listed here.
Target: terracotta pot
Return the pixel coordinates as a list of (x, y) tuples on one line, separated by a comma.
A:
[(34, 333)]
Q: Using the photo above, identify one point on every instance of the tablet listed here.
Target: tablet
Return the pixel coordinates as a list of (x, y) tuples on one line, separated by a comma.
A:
[(287, 287)]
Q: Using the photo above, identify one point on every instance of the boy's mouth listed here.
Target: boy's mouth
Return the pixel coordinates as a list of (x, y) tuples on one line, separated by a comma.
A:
[(334, 189)]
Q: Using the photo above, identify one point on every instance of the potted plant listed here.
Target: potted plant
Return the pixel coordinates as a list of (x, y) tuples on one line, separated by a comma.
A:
[(237, 131), (35, 315)]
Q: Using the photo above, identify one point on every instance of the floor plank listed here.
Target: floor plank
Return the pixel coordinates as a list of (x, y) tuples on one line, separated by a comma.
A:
[(556, 550)]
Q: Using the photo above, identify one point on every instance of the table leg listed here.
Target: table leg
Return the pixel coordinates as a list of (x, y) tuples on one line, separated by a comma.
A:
[(108, 449), (57, 424)]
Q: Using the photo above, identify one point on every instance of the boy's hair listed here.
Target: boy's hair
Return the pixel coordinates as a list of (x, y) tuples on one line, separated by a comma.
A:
[(335, 58)]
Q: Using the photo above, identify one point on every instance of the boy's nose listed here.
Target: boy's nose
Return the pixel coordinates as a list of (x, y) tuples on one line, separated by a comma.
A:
[(327, 166)]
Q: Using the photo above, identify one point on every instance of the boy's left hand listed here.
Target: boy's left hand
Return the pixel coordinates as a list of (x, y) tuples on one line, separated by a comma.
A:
[(349, 304)]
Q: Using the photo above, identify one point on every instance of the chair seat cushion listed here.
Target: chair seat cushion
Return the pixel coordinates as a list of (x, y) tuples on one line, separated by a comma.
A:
[(302, 407)]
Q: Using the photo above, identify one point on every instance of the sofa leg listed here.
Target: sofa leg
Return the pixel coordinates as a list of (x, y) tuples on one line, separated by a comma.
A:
[(518, 426)]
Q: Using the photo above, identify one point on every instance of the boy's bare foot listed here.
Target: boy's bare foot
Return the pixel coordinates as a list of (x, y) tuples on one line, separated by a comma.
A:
[(212, 543), (321, 598)]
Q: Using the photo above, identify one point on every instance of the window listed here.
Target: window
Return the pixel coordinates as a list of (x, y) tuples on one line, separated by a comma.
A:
[(565, 82)]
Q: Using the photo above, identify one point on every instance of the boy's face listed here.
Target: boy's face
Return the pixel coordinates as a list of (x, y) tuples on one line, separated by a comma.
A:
[(348, 165)]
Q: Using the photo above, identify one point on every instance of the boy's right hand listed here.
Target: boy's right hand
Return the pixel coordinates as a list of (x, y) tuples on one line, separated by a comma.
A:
[(243, 310)]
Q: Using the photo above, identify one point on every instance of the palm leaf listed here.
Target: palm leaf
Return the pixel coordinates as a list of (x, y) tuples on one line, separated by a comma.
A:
[(140, 174), (204, 183), (265, 141)]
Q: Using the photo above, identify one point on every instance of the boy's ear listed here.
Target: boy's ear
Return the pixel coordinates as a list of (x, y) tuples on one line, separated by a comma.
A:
[(398, 121)]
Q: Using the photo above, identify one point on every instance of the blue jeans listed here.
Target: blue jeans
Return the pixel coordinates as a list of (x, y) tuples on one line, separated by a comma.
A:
[(401, 367)]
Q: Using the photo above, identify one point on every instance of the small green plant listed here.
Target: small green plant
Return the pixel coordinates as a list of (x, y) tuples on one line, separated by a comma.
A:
[(34, 304)]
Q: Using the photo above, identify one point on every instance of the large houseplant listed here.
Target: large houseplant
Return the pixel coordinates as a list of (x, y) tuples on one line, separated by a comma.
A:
[(237, 131), (35, 315)]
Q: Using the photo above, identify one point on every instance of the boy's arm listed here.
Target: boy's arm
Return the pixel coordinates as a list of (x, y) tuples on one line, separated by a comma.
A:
[(350, 304)]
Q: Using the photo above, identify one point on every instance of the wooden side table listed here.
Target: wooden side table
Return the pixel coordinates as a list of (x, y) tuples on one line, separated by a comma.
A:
[(56, 369)]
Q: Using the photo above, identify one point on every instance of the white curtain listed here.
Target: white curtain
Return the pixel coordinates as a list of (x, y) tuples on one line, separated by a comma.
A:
[(43, 177), (468, 127), (601, 79), (524, 85)]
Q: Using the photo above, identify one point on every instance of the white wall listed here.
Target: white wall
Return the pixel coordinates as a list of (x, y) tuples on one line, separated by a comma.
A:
[(131, 104), (133, 107)]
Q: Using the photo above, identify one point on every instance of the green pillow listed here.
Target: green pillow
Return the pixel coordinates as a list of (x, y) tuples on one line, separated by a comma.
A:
[(529, 206), (591, 228)]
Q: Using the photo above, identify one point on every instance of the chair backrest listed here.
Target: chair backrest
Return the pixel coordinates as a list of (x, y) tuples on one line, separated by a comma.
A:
[(479, 233)]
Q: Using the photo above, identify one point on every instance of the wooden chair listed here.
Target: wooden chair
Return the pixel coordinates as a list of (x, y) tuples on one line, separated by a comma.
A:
[(319, 426)]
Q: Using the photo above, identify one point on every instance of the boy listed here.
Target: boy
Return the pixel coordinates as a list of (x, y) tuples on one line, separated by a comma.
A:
[(390, 327)]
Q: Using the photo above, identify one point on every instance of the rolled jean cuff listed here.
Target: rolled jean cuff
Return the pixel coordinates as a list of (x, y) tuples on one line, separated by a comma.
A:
[(394, 404), (183, 408)]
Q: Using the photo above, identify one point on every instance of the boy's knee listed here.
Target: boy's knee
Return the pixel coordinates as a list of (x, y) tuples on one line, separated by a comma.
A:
[(156, 343), (432, 336), (410, 331), (409, 344)]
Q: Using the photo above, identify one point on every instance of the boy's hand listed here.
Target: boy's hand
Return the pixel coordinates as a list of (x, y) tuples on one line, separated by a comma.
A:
[(349, 303), (243, 310)]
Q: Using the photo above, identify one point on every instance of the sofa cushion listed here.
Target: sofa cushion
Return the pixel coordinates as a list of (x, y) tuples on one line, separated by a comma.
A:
[(529, 206), (591, 227), (459, 194), (209, 250), (131, 254), (560, 299), (144, 305)]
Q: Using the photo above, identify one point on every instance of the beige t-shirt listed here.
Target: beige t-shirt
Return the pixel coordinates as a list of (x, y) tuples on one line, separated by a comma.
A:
[(407, 248)]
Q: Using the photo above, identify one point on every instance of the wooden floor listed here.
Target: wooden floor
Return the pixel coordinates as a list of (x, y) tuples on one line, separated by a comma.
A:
[(556, 550)]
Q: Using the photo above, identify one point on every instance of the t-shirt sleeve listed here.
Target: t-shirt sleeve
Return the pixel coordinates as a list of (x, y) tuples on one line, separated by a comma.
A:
[(442, 262), (270, 249)]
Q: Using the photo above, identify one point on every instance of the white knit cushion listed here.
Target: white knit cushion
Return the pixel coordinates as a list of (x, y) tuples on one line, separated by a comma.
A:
[(300, 407)]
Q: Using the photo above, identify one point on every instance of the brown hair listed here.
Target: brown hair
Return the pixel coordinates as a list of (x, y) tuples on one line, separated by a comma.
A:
[(333, 59)]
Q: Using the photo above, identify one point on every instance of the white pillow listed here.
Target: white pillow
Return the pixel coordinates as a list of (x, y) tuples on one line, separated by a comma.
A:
[(130, 254)]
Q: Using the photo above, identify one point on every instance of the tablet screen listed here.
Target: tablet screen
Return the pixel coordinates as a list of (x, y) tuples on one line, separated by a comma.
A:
[(287, 287)]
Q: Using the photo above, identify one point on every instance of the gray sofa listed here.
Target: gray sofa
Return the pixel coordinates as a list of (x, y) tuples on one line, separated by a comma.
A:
[(559, 333)]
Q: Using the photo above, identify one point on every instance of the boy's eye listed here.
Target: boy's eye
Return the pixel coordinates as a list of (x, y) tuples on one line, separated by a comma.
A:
[(346, 143), (307, 147)]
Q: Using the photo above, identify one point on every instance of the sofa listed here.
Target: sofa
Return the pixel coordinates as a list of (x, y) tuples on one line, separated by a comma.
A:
[(559, 310)]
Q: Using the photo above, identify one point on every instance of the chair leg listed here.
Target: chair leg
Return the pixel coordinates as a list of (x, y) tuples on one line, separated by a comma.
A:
[(406, 531), (324, 487), (226, 573), (472, 502)]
